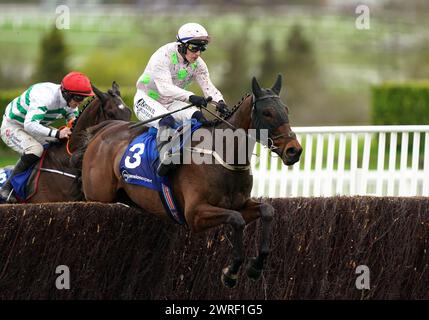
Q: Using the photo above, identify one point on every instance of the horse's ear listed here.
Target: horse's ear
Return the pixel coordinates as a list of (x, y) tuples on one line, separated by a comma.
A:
[(99, 94), (115, 88), (277, 85), (256, 89)]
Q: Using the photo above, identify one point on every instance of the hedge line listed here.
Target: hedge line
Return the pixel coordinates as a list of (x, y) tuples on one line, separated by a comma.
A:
[(118, 253), (400, 103)]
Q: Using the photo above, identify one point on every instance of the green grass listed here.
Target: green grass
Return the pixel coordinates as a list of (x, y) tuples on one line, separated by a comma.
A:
[(8, 158)]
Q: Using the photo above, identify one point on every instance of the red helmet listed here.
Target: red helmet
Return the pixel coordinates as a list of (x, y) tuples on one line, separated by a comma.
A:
[(77, 83)]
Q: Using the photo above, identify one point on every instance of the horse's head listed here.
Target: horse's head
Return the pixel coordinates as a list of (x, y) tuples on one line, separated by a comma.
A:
[(111, 104), (271, 114), (105, 106)]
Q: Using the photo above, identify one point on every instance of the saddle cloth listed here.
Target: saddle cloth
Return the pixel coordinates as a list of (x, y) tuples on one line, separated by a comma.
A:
[(25, 183), (5, 173), (140, 160)]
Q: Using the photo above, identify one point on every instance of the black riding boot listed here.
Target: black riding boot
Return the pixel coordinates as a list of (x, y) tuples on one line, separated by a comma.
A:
[(23, 164), (165, 140)]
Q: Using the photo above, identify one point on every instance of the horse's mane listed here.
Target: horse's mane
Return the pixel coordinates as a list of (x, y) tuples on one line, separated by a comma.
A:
[(85, 135), (230, 112)]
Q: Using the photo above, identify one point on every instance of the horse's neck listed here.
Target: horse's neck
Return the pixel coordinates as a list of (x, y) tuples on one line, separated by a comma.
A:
[(88, 118), (241, 120), (242, 117)]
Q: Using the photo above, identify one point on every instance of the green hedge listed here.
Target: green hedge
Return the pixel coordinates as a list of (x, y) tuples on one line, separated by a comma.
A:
[(400, 103), (8, 95)]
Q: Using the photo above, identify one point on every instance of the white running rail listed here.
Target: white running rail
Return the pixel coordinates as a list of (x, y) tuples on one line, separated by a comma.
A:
[(349, 160)]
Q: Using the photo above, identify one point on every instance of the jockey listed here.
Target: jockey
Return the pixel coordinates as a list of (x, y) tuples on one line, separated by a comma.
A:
[(25, 127), (161, 87)]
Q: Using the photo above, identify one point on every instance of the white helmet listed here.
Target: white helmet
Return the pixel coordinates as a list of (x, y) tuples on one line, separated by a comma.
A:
[(192, 31)]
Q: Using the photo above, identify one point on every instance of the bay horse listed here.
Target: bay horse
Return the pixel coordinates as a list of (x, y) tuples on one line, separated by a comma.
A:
[(209, 194), (57, 181)]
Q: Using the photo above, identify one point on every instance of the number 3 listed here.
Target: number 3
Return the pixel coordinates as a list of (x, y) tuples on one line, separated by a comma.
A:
[(136, 156), (3, 177)]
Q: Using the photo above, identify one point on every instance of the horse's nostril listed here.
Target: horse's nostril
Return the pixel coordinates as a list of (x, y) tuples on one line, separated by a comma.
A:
[(292, 152)]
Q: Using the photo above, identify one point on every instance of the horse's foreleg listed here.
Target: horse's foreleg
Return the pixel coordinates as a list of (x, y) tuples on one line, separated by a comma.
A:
[(265, 211), (207, 216)]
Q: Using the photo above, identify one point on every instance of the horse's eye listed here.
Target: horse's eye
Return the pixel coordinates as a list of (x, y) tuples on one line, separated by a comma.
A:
[(267, 113)]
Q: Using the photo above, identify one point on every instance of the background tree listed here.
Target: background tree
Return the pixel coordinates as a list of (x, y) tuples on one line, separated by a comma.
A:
[(301, 78), (52, 61), (236, 80), (269, 67)]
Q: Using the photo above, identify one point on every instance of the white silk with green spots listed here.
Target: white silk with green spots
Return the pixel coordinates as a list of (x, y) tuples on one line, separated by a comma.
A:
[(167, 76)]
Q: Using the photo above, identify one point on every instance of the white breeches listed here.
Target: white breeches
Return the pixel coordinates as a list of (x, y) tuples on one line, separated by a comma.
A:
[(15, 137)]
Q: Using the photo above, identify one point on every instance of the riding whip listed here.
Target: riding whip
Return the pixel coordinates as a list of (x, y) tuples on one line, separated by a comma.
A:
[(141, 123)]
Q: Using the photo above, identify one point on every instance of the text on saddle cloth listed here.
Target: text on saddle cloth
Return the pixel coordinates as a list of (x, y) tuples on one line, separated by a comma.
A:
[(141, 158)]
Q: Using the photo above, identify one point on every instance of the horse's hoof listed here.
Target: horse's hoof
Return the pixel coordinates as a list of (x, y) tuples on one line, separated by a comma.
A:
[(228, 280), (253, 272)]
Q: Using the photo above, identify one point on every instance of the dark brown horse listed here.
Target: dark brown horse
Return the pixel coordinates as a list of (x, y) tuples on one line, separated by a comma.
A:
[(209, 194), (56, 182)]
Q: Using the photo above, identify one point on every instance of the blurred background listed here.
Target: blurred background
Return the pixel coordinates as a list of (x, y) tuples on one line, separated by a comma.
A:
[(335, 73)]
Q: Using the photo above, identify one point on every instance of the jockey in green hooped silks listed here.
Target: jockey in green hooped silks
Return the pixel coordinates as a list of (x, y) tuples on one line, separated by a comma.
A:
[(161, 87), (25, 126)]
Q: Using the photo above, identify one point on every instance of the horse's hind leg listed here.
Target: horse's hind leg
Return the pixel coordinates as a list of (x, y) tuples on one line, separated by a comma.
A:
[(207, 216), (265, 211)]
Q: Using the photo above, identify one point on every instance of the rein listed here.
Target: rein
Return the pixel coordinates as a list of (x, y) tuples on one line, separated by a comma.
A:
[(271, 139), (68, 147)]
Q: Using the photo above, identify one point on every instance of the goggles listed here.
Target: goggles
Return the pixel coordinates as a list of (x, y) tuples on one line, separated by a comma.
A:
[(78, 98), (196, 47)]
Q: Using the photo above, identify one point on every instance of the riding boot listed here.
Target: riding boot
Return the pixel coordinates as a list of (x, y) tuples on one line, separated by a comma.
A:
[(168, 148), (23, 164), (165, 141)]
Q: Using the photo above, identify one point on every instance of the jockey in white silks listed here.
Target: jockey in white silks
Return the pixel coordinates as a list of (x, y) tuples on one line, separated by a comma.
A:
[(161, 87)]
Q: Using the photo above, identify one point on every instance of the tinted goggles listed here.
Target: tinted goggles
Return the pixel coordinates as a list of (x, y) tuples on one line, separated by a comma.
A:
[(196, 47), (78, 98)]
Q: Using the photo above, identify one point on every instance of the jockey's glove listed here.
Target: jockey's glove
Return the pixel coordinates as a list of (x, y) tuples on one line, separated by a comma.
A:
[(221, 107), (198, 115), (198, 101)]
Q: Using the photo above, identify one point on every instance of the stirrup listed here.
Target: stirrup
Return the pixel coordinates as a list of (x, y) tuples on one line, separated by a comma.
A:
[(163, 168)]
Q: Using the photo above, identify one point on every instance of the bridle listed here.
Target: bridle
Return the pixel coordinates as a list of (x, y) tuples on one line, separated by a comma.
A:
[(270, 143)]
